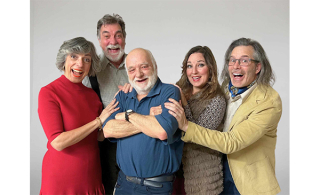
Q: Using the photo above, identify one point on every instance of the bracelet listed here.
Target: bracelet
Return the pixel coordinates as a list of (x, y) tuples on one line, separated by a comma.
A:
[(100, 123)]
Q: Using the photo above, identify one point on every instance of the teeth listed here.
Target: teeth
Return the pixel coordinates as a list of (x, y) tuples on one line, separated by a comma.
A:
[(237, 74), (77, 71), (195, 77)]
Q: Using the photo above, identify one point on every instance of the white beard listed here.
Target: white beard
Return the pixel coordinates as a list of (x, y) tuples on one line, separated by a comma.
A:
[(111, 57), (145, 90)]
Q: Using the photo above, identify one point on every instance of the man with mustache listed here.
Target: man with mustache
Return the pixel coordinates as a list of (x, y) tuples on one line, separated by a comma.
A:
[(111, 34), (149, 147)]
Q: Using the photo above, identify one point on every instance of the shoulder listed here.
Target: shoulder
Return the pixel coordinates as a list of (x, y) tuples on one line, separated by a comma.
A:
[(121, 96), (169, 87), (51, 87), (268, 95), (49, 91), (267, 92)]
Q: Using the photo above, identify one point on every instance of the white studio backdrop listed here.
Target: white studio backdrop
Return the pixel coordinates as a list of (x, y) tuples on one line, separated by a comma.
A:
[(168, 29)]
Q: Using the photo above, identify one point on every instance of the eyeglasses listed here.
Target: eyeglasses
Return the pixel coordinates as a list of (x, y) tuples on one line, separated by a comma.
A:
[(243, 61)]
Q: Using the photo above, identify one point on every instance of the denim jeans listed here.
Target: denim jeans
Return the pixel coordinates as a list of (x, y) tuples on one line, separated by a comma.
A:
[(229, 188), (126, 187)]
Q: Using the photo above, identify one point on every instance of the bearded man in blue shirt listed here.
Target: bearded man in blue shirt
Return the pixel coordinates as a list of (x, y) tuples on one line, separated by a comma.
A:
[(149, 147)]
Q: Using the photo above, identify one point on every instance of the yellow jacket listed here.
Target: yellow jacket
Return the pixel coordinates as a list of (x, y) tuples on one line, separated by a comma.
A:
[(249, 143)]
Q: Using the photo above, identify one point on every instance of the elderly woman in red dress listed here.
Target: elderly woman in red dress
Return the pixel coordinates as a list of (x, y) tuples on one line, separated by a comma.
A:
[(71, 116)]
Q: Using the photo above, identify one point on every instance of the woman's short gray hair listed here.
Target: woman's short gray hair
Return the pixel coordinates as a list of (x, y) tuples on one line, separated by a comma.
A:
[(265, 76), (78, 45)]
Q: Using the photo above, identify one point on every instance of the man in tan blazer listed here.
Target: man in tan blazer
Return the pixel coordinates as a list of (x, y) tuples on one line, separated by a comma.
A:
[(249, 137)]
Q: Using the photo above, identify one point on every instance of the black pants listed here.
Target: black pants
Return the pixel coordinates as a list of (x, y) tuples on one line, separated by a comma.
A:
[(108, 165)]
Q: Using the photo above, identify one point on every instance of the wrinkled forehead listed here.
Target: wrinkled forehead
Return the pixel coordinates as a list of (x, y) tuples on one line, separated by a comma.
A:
[(138, 57), (242, 51)]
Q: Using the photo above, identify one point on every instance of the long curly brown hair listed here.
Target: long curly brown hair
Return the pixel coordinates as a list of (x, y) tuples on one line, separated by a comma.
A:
[(212, 88)]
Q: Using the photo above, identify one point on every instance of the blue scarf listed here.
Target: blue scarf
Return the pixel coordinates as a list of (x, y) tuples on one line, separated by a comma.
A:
[(236, 91)]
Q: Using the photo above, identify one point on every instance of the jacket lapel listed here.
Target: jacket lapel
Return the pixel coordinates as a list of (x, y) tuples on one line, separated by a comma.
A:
[(247, 106)]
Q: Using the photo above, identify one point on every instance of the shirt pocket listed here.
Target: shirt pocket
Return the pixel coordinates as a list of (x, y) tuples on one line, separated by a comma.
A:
[(262, 176)]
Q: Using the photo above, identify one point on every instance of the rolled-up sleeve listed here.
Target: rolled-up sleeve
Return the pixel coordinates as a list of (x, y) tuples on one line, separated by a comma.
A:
[(168, 122)]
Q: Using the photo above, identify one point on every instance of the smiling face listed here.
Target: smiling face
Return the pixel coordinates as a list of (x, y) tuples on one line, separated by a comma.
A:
[(77, 66), (197, 71), (112, 42), (242, 76), (141, 73)]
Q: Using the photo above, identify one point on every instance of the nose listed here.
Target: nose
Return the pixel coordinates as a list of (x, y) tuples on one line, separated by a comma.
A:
[(113, 41), (194, 69), (80, 62), (139, 73)]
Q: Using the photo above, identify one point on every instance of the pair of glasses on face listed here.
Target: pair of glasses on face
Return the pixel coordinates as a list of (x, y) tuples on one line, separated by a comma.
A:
[(243, 61)]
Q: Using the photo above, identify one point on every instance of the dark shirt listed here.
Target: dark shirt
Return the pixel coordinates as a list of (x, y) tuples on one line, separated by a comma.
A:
[(143, 156)]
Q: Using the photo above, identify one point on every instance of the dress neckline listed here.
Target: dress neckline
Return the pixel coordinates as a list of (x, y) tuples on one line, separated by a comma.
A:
[(70, 85)]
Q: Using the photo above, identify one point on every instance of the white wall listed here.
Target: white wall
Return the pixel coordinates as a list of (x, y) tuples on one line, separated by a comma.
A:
[(168, 29)]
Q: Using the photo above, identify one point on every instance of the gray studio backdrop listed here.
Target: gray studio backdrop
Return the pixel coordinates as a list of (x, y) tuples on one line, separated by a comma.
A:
[(168, 29)]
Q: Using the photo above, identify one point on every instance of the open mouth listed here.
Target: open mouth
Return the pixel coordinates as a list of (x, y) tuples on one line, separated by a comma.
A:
[(237, 75), (76, 72), (142, 80), (113, 50), (197, 78)]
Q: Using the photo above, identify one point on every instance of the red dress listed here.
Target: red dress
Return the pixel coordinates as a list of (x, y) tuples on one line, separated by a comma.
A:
[(64, 106)]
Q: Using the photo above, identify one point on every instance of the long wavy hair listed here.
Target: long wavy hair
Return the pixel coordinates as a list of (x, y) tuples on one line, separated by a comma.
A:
[(264, 77), (212, 88)]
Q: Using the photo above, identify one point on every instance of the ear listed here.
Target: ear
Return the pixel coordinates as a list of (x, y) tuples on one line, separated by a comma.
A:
[(258, 68)]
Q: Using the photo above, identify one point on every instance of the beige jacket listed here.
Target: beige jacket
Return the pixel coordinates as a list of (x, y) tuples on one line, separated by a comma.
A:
[(249, 143)]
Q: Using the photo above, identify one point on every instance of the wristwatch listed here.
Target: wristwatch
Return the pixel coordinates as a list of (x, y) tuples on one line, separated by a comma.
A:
[(127, 113)]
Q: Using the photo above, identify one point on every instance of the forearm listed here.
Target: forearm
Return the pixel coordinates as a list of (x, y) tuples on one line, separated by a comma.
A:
[(69, 138), (119, 129), (222, 142), (148, 125)]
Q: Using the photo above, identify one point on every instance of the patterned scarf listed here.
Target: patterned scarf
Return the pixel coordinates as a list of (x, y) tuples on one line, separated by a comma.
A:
[(236, 91)]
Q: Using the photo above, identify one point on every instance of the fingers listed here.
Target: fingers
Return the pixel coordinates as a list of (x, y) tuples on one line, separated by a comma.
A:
[(177, 104), (120, 87), (172, 107), (125, 88), (155, 110), (117, 92), (112, 106)]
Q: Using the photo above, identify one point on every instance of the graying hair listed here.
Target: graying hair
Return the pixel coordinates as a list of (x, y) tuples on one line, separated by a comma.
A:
[(264, 77), (108, 19), (78, 45), (153, 61)]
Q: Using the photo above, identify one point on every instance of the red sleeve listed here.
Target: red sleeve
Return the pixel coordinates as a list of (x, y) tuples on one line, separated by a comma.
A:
[(50, 114)]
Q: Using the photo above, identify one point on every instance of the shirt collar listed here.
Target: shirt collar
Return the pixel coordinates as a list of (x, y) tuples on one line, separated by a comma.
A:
[(243, 95), (105, 60)]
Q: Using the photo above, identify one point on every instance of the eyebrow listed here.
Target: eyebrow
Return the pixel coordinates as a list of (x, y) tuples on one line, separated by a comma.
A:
[(119, 31), (197, 61)]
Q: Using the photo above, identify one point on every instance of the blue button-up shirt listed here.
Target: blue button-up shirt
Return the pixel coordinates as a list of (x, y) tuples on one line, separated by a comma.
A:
[(143, 156)]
